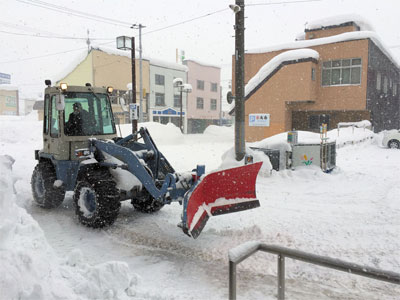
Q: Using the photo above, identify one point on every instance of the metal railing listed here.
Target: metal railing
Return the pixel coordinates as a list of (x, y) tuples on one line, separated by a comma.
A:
[(240, 253)]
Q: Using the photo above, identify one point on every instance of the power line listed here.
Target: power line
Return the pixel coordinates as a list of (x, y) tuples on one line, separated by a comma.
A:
[(52, 37), (276, 3), (47, 55), (186, 21), (76, 13)]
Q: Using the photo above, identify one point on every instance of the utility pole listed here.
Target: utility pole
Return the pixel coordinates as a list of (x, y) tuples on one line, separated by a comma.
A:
[(134, 122), (88, 41), (240, 150), (140, 26)]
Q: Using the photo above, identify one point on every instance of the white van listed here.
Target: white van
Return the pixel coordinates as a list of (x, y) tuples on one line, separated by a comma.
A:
[(392, 139)]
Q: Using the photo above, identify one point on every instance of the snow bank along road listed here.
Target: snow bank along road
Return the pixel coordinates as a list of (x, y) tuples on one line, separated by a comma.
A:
[(352, 214)]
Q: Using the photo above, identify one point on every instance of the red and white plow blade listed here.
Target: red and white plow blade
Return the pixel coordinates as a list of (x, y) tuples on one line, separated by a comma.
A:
[(218, 193)]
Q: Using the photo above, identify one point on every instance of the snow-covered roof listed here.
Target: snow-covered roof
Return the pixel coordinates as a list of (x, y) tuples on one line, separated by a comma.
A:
[(269, 67), (80, 57), (347, 36), (169, 65), (340, 20), (273, 64), (8, 87), (202, 63)]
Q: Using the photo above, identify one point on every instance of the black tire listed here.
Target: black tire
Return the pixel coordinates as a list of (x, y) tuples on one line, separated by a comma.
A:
[(394, 144), (96, 199), (146, 203), (44, 192)]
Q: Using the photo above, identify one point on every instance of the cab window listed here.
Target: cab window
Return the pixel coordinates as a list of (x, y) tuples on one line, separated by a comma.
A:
[(54, 124)]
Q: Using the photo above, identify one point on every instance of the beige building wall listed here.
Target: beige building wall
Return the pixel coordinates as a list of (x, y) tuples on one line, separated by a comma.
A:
[(274, 98), (102, 69), (9, 102), (82, 74)]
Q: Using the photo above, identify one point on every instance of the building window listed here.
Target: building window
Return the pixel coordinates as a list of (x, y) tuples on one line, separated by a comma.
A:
[(160, 99), (385, 84), (156, 119), (313, 74), (378, 81), (177, 101), (341, 72), (214, 87), (315, 121), (200, 85), (160, 79), (213, 104), (199, 103), (394, 89)]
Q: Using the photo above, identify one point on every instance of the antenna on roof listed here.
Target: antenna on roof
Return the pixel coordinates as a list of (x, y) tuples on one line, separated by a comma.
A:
[(88, 41)]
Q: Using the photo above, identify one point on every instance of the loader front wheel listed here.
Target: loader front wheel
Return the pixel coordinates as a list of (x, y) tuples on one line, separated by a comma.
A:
[(146, 204), (96, 199), (44, 192)]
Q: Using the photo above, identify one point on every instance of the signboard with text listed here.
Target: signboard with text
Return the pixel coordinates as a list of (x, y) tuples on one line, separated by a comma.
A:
[(133, 111), (259, 120), (5, 78)]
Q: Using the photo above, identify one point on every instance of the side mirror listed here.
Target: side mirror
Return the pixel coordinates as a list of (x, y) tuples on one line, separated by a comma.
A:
[(60, 102), (230, 97)]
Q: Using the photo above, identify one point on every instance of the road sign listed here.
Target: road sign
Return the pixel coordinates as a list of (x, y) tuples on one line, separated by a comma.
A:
[(133, 111), (259, 120)]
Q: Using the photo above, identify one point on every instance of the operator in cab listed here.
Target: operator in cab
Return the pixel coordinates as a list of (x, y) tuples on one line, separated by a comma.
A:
[(78, 121)]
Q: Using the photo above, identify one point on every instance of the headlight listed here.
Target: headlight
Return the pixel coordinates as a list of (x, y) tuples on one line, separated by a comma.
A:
[(82, 152), (63, 86)]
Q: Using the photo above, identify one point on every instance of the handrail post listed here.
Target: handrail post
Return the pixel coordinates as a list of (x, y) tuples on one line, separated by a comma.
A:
[(232, 280), (281, 277)]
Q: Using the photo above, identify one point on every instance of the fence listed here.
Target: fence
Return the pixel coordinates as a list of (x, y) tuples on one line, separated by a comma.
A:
[(240, 253)]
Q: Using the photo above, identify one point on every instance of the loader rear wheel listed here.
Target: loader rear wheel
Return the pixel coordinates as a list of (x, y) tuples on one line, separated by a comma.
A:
[(146, 204), (96, 199), (44, 192)]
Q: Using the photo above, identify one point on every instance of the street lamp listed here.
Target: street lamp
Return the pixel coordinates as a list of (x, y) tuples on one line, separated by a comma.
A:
[(128, 43), (182, 87)]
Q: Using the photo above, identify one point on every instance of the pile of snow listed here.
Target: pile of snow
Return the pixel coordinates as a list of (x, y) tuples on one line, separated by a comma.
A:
[(31, 268), (339, 20), (161, 133), (344, 37), (274, 63), (279, 142)]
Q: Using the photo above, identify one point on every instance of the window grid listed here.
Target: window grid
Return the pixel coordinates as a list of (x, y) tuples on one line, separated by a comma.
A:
[(214, 87), (160, 79), (213, 104), (160, 99), (199, 103), (341, 72), (200, 85), (177, 101)]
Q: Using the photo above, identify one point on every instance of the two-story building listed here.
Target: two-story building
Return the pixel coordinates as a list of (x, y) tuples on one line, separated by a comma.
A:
[(343, 74), (165, 102), (204, 102)]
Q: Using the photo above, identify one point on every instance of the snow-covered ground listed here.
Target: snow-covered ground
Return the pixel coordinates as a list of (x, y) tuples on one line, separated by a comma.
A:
[(352, 214)]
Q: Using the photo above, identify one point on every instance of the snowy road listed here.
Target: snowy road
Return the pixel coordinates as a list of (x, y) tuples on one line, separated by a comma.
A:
[(352, 214)]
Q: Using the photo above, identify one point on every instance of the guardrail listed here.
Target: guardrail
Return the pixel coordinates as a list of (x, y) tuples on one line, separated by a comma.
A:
[(240, 253)]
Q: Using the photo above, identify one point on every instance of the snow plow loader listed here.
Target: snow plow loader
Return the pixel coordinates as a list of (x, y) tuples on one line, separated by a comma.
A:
[(82, 153)]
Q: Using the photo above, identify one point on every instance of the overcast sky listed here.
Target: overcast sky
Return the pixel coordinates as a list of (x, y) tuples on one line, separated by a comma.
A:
[(205, 33)]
